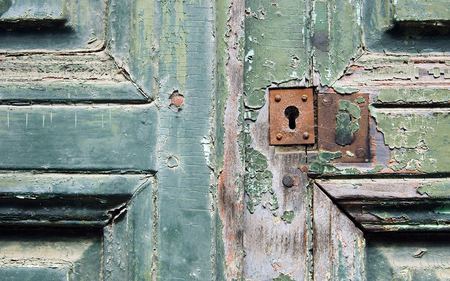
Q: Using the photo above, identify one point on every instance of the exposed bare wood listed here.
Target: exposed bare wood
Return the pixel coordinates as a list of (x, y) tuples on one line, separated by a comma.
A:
[(338, 243)]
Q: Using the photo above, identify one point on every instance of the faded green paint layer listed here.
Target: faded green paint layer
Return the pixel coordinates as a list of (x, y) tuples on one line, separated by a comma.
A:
[(418, 140), (276, 46), (288, 216), (84, 137), (258, 182), (406, 25), (415, 257), (52, 25), (421, 10), (283, 277), (186, 229), (436, 189), (322, 164), (336, 37), (413, 95)]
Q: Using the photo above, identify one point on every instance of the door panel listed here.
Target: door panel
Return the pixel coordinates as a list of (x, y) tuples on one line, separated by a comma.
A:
[(78, 141), (106, 111), (51, 25), (383, 64)]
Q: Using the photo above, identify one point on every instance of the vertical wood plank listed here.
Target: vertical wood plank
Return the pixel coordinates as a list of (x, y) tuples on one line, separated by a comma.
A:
[(338, 243)]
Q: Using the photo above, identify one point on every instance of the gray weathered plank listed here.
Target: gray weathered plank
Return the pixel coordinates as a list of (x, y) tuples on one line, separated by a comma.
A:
[(65, 78), (394, 204), (338, 243)]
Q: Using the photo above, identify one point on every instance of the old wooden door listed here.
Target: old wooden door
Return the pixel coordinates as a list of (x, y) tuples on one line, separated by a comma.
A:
[(105, 140), (369, 198)]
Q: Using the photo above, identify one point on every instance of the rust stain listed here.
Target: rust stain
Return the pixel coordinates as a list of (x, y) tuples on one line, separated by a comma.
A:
[(358, 149), (291, 116)]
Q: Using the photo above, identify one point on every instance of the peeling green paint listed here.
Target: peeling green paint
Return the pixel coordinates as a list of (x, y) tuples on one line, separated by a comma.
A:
[(413, 95), (337, 38), (360, 100), (347, 122), (376, 169), (345, 90), (418, 140), (283, 277), (435, 190), (288, 216), (274, 44), (322, 163), (258, 182)]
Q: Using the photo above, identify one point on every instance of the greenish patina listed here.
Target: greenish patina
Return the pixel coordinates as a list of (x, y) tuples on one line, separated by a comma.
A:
[(418, 139), (413, 95), (436, 189), (288, 216), (336, 38), (4, 6), (272, 28), (322, 164), (258, 182), (347, 122), (283, 277), (398, 26)]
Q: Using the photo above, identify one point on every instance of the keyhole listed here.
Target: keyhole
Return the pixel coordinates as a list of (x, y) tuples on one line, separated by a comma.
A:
[(291, 113)]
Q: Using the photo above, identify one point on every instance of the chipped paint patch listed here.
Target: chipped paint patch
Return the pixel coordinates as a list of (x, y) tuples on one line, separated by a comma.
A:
[(347, 122), (283, 277), (288, 216), (418, 140), (258, 182), (435, 190), (322, 164)]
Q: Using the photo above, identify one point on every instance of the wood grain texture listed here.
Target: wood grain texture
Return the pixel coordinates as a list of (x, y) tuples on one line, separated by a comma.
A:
[(277, 234), (52, 26), (229, 158), (338, 243), (394, 204), (186, 230), (92, 77)]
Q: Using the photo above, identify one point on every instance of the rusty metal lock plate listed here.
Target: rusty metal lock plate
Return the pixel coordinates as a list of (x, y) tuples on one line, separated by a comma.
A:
[(291, 116), (343, 125)]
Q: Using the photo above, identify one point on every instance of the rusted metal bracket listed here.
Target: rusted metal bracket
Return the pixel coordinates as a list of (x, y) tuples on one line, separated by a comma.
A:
[(291, 116), (343, 125)]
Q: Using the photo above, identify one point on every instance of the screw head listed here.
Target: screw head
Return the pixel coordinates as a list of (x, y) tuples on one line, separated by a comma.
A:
[(288, 181), (304, 98), (305, 135), (277, 98), (279, 136)]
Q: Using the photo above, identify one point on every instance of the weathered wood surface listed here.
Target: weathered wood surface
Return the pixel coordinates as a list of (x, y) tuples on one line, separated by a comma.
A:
[(339, 245), (408, 256), (229, 150), (65, 200), (50, 255), (52, 26), (84, 137), (153, 51), (393, 204), (346, 48), (277, 235), (68, 78)]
